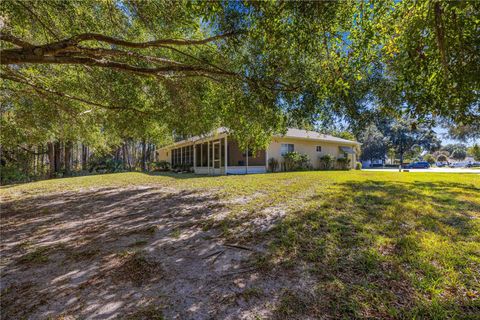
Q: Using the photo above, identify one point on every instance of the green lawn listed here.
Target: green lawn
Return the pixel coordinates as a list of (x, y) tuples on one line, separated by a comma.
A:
[(359, 244)]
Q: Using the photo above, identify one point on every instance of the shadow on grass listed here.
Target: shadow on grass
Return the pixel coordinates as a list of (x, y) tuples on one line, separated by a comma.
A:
[(383, 250), (180, 176), (353, 250)]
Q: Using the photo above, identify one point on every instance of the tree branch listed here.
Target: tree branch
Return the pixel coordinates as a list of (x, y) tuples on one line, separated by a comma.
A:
[(54, 47), (155, 43), (14, 40), (64, 95), (100, 52), (31, 152), (16, 57)]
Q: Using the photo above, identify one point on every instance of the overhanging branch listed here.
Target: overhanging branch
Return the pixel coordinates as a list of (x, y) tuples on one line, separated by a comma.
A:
[(64, 95)]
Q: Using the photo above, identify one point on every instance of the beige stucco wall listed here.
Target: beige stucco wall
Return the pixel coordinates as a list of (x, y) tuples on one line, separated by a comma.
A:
[(309, 148), (164, 155)]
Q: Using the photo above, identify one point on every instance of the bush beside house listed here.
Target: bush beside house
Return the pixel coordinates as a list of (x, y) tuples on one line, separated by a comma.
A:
[(273, 165), (343, 163), (326, 162), (295, 161)]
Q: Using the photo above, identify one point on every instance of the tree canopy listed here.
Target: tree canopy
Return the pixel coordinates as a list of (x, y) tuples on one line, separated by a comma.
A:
[(103, 71)]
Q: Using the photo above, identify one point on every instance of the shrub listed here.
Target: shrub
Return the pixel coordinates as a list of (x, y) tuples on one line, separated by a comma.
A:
[(273, 164), (10, 174), (343, 163), (161, 165), (429, 158), (326, 162), (188, 167), (358, 166), (105, 164), (442, 158), (183, 167), (296, 161), (459, 154)]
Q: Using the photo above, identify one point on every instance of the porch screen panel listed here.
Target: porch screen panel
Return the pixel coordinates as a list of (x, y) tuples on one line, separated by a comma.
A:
[(222, 152), (198, 155), (237, 157), (210, 159), (204, 154), (175, 157)]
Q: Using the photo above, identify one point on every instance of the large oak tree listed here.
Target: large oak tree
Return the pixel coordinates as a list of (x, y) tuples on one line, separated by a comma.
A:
[(190, 66)]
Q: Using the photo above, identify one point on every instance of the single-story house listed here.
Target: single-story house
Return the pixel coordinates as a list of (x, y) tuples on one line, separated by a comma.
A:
[(373, 163), (218, 153)]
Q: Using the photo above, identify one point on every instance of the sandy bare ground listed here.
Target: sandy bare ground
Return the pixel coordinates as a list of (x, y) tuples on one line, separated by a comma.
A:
[(131, 253)]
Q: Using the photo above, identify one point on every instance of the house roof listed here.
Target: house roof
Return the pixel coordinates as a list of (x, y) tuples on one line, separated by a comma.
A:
[(313, 135), (292, 133)]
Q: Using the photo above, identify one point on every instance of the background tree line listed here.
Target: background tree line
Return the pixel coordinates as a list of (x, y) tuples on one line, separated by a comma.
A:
[(106, 73), (399, 140)]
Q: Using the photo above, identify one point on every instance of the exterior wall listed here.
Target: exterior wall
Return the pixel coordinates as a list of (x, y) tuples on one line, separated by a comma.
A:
[(164, 154), (205, 170), (257, 164), (244, 169), (308, 147)]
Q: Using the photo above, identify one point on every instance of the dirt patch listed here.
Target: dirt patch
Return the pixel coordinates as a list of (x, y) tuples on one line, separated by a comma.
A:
[(131, 253), (136, 268)]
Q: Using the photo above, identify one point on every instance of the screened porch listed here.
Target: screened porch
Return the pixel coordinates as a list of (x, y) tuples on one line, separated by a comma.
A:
[(218, 156)]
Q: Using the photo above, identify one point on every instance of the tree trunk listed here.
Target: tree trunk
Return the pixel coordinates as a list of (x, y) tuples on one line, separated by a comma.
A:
[(51, 159), (84, 157), (144, 156), (57, 157), (126, 158), (42, 161), (68, 157)]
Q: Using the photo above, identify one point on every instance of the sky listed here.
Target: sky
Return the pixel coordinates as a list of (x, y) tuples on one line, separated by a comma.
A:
[(442, 135)]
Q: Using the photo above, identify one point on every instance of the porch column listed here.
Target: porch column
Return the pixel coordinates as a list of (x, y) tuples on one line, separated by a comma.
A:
[(208, 156), (226, 156)]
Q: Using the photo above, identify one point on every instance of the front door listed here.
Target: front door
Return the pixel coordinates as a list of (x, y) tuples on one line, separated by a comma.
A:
[(216, 158)]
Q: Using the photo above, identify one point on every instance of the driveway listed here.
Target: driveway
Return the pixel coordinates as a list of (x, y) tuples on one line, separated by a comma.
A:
[(446, 170)]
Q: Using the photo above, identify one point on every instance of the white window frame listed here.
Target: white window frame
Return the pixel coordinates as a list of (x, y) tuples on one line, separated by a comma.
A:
[(286, 146), (317, 148)]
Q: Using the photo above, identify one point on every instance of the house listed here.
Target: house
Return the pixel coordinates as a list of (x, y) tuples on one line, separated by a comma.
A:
[(373, 163), (218, 153)]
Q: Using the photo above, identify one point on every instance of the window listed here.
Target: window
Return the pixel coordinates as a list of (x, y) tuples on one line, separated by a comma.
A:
[(286, 148), (319, 148)]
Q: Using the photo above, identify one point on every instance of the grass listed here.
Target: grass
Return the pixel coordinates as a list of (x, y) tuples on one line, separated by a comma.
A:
[(146, 313), (37, 256), (376, 244)]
